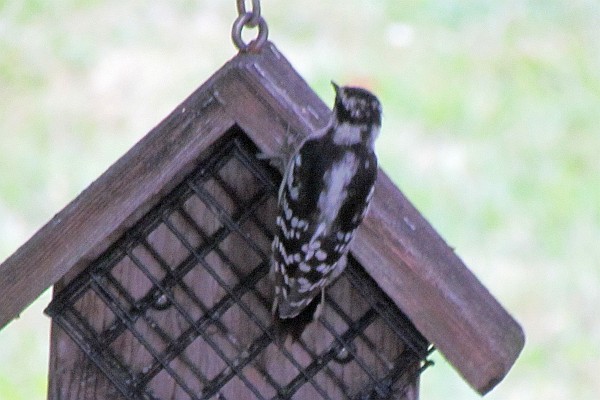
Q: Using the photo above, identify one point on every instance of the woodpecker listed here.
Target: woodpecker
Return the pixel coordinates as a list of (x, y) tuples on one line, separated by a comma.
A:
[(324, 195)]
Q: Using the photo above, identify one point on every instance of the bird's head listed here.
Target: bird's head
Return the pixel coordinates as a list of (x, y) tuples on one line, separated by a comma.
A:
[(356, 106), (357, 116)]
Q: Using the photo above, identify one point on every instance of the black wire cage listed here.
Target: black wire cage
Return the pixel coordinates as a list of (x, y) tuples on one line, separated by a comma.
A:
[(179, 306)]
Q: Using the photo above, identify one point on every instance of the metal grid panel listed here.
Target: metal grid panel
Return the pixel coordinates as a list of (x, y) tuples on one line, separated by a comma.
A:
[(187, 289)]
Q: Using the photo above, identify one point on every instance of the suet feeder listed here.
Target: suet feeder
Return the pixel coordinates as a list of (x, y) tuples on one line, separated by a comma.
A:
[(160, 270)]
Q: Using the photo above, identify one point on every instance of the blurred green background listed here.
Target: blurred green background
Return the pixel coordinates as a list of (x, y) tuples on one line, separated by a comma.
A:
[(491, 118)]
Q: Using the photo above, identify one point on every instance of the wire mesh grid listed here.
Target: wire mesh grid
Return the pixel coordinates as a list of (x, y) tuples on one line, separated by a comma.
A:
[(179, 307)]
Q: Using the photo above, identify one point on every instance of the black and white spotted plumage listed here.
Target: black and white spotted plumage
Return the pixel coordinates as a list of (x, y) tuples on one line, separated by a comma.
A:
[(323, 198)]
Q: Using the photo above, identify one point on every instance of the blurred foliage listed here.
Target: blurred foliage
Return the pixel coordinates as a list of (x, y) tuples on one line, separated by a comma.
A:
[(491, 112)]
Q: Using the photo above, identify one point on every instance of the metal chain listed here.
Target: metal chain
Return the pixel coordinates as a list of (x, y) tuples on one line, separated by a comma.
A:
[(250, 19), (241, 7)]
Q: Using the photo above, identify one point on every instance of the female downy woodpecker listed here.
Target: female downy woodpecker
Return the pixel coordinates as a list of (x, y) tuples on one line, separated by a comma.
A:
[(324, 195)]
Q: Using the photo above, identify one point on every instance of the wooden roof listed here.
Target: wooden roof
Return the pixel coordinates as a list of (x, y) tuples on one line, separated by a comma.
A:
[(263, 95)]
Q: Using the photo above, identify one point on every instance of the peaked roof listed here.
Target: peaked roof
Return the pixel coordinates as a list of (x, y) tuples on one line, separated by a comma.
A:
[(264, 95)]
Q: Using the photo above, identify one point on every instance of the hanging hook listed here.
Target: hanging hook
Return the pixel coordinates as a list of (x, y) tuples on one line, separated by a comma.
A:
[(250, 19)]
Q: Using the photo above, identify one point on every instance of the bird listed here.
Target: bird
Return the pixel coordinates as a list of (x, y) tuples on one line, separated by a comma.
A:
[(324, 195)]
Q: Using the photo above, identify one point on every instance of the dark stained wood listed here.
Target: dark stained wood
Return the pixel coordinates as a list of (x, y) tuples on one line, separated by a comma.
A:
[(447, 303), (268, 100), (102, 212)]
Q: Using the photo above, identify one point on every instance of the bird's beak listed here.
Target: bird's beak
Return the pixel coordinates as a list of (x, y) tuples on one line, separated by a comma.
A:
[(335, 87)]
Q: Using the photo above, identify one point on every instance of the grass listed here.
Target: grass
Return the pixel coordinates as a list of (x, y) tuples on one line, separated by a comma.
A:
[(491, 115)]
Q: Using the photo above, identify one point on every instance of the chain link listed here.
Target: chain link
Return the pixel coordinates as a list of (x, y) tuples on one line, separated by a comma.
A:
[(241, 7), (250, 19)]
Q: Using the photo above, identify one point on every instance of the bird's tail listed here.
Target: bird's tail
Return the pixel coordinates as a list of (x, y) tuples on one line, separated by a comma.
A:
[(294, 327)]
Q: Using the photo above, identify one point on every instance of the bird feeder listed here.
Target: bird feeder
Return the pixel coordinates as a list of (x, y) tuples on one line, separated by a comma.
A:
[(160, 269)]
